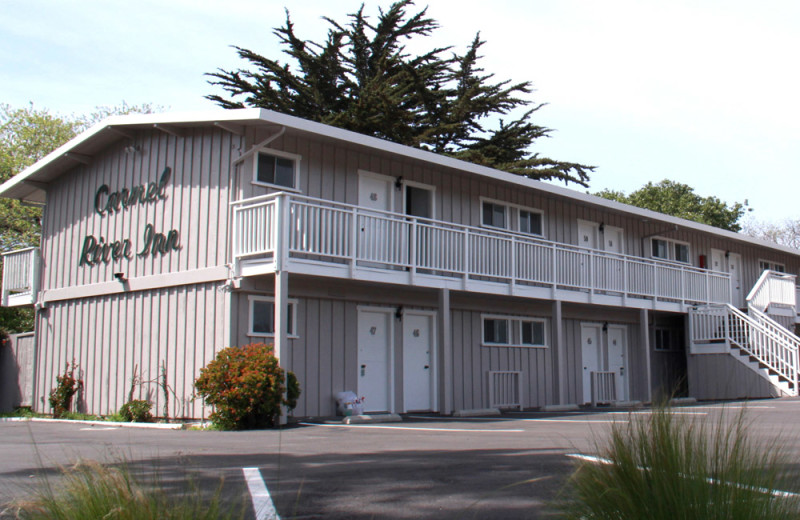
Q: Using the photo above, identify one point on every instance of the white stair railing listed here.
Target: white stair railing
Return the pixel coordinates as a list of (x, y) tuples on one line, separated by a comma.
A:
[(771, 288), (757, 335), (604, 387)]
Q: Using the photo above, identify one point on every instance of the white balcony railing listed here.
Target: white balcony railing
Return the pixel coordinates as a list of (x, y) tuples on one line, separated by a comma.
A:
[(773, 288), (20, 277), (350, 236)]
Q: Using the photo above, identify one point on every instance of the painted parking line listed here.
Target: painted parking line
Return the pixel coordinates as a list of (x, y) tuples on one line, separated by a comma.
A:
[(774, 492), (413, 428), (262, 502)]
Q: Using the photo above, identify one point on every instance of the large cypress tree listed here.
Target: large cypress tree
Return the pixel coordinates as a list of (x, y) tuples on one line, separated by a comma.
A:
[(362, 78)]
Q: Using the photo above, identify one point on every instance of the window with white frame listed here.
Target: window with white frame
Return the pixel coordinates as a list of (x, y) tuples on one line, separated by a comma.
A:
[(514, 331), (511, 217), (667, 339), (767, 265), (276, 168), (262, 317), (667, 249)]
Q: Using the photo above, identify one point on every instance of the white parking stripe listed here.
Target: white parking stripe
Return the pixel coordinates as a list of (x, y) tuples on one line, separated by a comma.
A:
[(774, 492), (470, 430), (262, 502)]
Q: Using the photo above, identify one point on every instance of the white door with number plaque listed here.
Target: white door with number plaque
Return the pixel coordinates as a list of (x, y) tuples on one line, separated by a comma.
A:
[(418, 362), (374, 359)]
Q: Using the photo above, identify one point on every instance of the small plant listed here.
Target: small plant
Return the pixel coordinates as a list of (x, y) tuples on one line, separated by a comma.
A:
[(664, 466), (66, 388), (246, 387), (90, 490), (137, 410)]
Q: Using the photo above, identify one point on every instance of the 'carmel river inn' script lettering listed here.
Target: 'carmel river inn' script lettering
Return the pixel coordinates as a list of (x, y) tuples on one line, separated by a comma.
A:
[(97, 250)]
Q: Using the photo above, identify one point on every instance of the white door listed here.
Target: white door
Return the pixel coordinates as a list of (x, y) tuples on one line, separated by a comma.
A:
[(735, 270), (617, 354), (587, 237), (613, 239), (591, 343), (378, 242), (374, 359), (418, 362), (718, 261)]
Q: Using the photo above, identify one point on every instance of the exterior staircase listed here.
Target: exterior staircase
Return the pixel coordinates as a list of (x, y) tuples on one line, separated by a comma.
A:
[(759, 338)]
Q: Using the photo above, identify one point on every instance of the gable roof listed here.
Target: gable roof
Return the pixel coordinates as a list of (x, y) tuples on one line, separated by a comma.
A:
[(30, 184)]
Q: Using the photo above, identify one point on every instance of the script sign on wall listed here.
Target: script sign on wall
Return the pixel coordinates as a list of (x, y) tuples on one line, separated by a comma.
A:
[(101, 250)]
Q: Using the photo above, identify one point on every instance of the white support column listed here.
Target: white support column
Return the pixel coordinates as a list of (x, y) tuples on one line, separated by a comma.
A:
[(446, 346), (560, 352), (644, 342), (281, 345)]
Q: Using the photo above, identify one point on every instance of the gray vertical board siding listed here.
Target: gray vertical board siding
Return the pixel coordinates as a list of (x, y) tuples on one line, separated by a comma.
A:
[(16, 371), (108, 337), (196, 206), (721, 376)]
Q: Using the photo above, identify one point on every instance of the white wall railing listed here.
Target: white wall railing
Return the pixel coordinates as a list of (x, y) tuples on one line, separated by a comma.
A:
[(757, 335), (604, 387), (773, 287), (505, 389), (337, 233), (20, 277)]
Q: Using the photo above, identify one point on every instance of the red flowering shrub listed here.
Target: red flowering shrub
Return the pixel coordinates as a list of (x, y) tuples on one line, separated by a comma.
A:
[(66, 387), (246, 387)]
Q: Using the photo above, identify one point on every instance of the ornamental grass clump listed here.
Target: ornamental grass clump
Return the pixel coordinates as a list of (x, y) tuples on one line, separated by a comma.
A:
[(667, 466), (93, 491), (247, 387)]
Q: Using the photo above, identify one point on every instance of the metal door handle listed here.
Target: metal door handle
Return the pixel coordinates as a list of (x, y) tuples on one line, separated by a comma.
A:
[(426, 366), (363, 369)]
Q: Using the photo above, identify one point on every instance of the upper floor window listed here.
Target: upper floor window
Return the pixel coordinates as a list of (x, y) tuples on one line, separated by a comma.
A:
[(262, 316), (276, 169), (670, 250), (511, 217), (766, 265)]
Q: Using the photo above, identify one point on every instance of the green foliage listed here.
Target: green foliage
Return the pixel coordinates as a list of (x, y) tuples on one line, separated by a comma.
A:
[(363, 78), (666, 466), (137, 410), (22, 411), (92, 491), (246, 387), (680, 200), (66, 388)]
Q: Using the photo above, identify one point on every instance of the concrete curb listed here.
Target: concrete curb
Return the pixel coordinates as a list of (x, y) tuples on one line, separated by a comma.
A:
[(477, 412), (152, 426), (560, 408)]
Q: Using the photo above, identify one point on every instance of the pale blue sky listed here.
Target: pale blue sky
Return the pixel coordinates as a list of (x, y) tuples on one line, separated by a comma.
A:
[(702, 92)]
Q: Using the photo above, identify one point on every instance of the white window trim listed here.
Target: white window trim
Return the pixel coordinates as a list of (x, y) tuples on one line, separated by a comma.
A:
[(671, 251), (515, 330), (277, 153), (771, 264), (420, 186), (250, 307), (515, 208)]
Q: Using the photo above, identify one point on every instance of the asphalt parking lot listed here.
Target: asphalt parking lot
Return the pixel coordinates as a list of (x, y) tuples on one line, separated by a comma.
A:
[(515, 466)]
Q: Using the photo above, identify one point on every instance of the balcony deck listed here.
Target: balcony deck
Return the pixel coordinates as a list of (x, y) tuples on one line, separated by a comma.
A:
[(20, 277), (317, 237)]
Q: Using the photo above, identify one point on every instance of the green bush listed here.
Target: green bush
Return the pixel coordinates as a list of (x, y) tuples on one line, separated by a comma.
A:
[(665, 466), (246, 387), (66, 388), (137, 410)]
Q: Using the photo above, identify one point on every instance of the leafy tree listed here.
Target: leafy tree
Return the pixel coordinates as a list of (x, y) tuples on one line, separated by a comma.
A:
[(680, 200), (363, 78), (785, 233), (27, 135)]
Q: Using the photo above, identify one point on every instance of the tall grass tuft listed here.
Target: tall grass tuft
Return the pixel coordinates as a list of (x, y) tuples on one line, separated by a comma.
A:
[(90, 490), (671, 467)]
